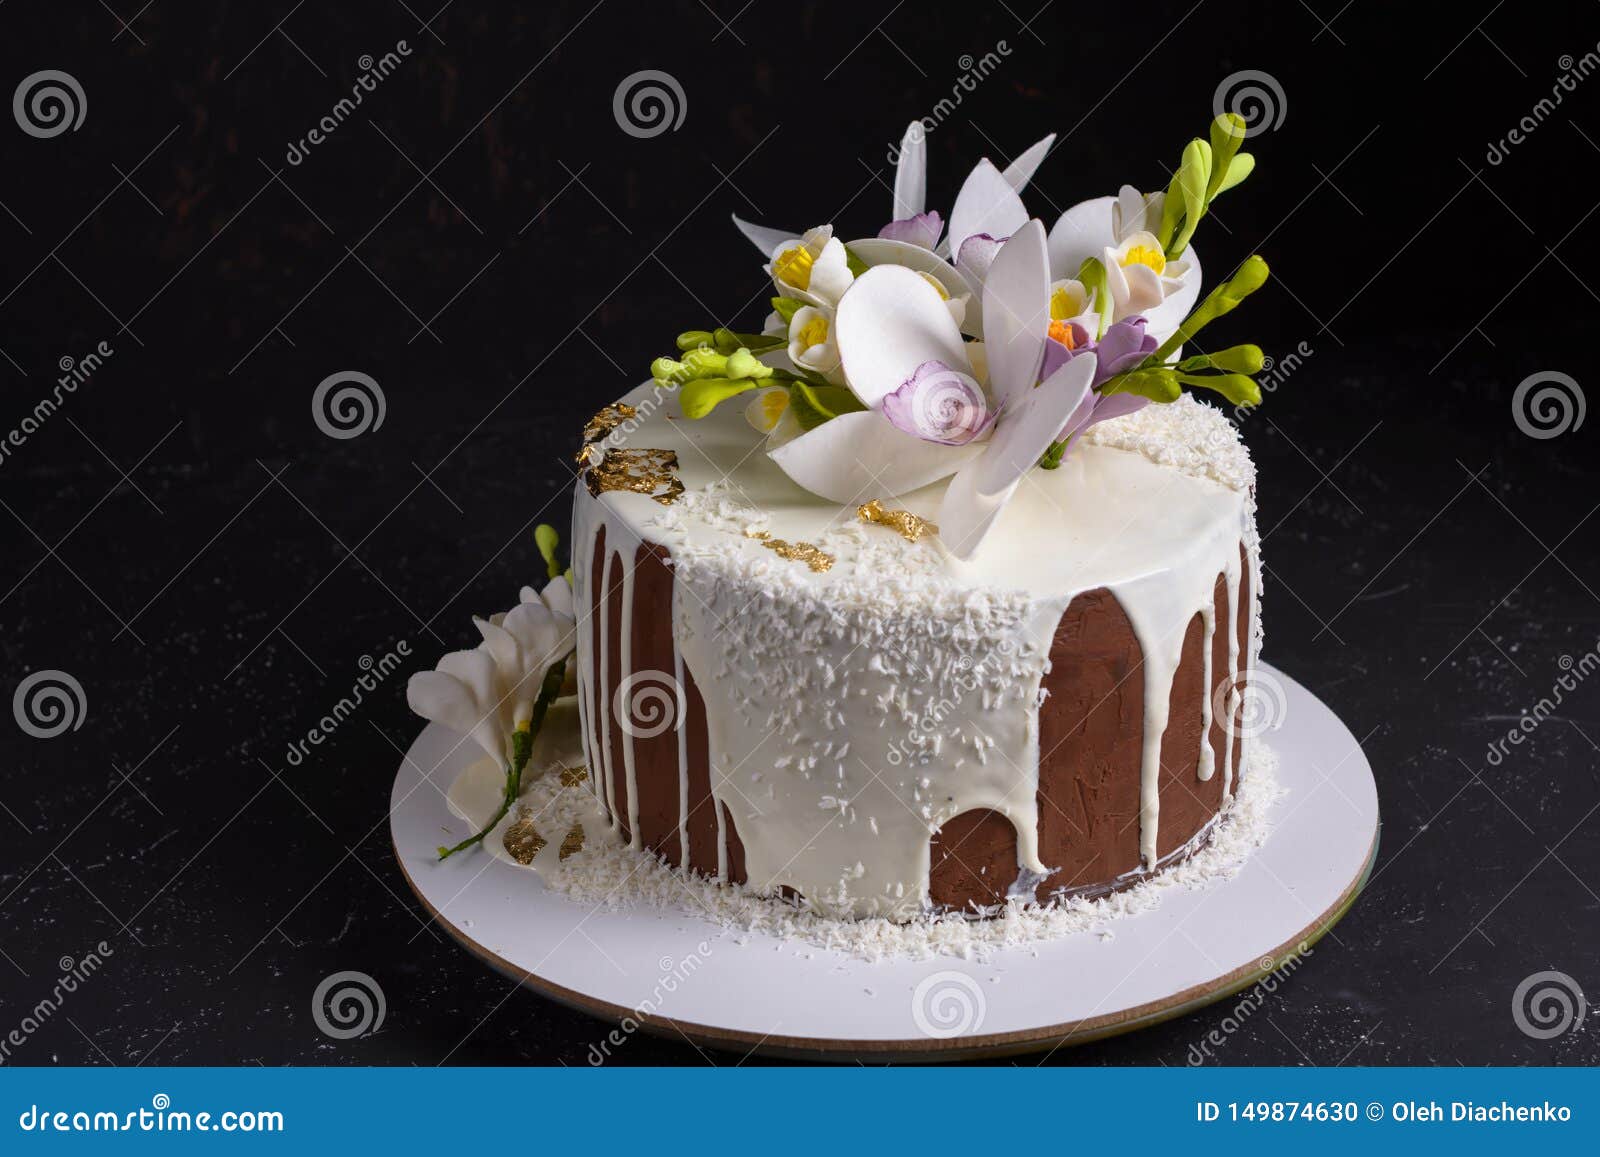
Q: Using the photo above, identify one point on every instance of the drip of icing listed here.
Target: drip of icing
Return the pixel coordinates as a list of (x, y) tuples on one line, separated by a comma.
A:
[(1207, 766), (626, 659), (602, 700)]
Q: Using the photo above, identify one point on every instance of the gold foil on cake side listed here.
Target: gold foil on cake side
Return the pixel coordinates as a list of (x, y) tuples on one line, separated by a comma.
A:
[(574, 776), (571, 843), (653, 473), (910, 526), (521, 841), (812, 555), (607, 420)]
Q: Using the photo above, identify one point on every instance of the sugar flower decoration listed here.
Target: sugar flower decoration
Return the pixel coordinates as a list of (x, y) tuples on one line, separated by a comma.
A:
[(927, 413), (496, 694), (1140, 279)]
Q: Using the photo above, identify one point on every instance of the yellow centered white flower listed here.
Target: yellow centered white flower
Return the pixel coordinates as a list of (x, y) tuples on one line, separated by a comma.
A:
[(766, 408), (1139, 276), (811, 343), (813, 268)]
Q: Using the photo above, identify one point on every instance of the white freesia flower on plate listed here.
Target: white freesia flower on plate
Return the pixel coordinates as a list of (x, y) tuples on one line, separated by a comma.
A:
[(487, 693)]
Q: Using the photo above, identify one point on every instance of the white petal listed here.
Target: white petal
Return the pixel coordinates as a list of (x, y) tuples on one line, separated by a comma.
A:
[(1081, 232), (830, 272), (1163, 321), (986, 204), (1020, 171), (501, 645), (1016, 313), (442, 699), (859, 456), (889, 323), (911, 173), (980, 491), (884, 251), (762, 237), (557, 595)]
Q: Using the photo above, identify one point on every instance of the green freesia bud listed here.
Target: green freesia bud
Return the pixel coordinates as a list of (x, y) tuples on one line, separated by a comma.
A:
[(1158, 383), (693, 339), (1243, 359), (667, 370), (705, 363), (1227, 134), (1237, 388), (1194, 176), (1239, 168), (742, 364), (787, 307), (547, 539), (699, 397)]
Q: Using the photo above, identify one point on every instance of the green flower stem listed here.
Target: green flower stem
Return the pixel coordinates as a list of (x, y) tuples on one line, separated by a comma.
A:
[(521, 751)]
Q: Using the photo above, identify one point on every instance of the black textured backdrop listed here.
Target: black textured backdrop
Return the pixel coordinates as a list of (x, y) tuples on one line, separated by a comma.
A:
[(483, 240)]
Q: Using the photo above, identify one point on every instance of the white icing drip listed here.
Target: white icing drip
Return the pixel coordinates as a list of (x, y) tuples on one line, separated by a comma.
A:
[(1207, 766), (851, 713), (1235, 575), (606, 683), (683, 752), (626, 657), (582, 558)]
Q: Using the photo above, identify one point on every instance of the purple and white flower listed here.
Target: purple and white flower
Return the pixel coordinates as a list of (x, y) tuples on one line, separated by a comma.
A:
[(939, 404)]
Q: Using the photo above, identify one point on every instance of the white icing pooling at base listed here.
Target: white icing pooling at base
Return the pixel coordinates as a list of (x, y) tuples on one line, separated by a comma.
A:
[(611, 875), (851, 713)]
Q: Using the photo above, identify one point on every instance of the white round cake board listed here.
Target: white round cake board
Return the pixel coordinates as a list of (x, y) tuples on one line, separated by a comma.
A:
[(754, 992)]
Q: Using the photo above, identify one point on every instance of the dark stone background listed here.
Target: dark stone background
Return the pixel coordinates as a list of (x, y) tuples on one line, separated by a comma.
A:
[(483, 240)]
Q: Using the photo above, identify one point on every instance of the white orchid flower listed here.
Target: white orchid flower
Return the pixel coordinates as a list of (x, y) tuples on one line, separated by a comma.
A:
[(928, 413), (989, 203), (1120, 232), (488, 693)]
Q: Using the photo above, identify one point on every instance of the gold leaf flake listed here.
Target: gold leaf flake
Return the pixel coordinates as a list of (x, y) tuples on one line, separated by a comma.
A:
[(910, 526), (521, 841), (607, 420), (572, 842), (643, 471), (812, 555), (574, 776)]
